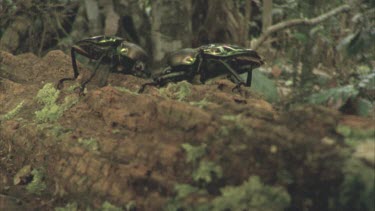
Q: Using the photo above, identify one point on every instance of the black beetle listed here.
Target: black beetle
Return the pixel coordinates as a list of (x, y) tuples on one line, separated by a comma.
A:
[(123, 56), (185, 64)]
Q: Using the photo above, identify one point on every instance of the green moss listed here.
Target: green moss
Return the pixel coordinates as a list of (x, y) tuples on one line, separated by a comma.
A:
[(53, 130), (51, 111), (184, 190), (89, 144), (47, 95), (193, 153), (237, 128), (106, 206), (69, 207), (252, 195), (116, 131), (73, 87), (69, 101), (177, 91), (207, 172), (224, 131), (201, 104), (12, 113), (36, 186), (123, 89)]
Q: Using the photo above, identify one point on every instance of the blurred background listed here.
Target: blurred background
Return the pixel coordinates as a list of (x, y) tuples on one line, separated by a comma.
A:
[(316, 51)]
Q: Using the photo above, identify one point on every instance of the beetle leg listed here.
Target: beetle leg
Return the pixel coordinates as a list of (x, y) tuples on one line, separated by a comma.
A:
[(74, 62), (233, 72), (92, 74), (142, 89), (202, 73), (105, 73), (162, 80), (249, 77), (75, 69)]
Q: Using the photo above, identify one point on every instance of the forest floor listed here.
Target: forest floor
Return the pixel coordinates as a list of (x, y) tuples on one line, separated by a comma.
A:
[(182, 146)]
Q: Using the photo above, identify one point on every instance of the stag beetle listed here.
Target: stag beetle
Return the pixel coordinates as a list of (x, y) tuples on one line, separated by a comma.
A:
[(124, 57), (185, 64)]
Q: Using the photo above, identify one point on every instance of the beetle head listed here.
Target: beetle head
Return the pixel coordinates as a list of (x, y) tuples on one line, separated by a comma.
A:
[(187, 56)]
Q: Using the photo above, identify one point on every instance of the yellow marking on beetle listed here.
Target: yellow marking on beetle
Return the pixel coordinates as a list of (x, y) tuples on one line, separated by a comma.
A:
[(107, 40), (189, 60), (124, 50)]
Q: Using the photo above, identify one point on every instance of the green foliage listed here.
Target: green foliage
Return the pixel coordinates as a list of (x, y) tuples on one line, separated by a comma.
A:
[(334, 95), (12, 113), (193, 153), (357, 190), (357, 91), (207, 172), (301, 37), (106, 206), (368, 80), (361, 40), (36, 186), (364, 107), (177, 91), (252, 195), (355, 134), (265, 86), (68, 207), (51, 111)]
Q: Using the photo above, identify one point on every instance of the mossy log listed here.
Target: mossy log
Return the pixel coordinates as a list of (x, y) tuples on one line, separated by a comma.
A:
[(114, 145)]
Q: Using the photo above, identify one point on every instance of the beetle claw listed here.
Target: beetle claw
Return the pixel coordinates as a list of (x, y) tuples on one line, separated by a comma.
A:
[(238, 87)]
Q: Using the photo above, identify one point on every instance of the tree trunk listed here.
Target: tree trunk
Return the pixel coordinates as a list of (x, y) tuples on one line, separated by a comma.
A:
[(171, 27), (267, 14), (222, 23)]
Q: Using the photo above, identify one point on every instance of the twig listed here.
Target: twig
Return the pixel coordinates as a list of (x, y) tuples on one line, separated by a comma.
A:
[(303, 21)]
